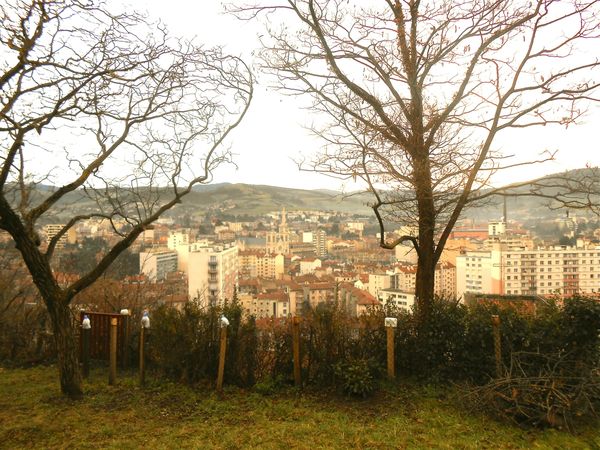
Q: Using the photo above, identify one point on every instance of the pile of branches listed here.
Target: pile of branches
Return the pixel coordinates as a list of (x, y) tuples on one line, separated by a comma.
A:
[(543, 390)]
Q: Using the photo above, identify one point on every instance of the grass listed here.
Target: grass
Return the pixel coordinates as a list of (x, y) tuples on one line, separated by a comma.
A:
[(169, 415)]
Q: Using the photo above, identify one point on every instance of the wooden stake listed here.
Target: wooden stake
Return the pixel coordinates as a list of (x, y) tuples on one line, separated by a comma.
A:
[(125, 343), (142, 359), (85, 335), (112, 374), (391, 369), (222, 350), (296, 349), (497, 344)]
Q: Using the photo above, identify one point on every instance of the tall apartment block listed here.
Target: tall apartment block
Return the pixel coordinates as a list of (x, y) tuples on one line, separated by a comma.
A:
[(212, 273), (557, 270), (51, 230), (156, 264)]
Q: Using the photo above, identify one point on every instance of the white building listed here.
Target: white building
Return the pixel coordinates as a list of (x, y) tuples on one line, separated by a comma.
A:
[(398, 298), (309, 265), (474, 272), (496, 228), (258, 264), (543, 271), (445, 279), (318, 239), (378, 282), (558, 270), (177, 238), (212, 272), (156, 264)]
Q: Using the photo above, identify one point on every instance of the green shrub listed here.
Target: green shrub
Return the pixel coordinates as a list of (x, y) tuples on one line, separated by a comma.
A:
[(455, 343), (357, 377), (185, 344)]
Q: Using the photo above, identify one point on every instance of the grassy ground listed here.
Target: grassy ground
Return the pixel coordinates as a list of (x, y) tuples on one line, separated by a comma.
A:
[(166, 415)]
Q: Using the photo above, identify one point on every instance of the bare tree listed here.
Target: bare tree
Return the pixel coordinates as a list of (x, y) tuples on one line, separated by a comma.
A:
[(417, 92), (123, 118)]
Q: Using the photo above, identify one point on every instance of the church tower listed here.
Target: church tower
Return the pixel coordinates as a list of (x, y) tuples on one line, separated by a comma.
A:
[(278, 242)]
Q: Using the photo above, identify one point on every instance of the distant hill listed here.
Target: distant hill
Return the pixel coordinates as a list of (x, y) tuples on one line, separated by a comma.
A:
[(240, 199), (531, 208), (259, 199)]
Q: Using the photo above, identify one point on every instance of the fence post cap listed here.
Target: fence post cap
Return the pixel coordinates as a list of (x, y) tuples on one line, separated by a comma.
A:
[(223, 322), (391, 322), (145, 320)]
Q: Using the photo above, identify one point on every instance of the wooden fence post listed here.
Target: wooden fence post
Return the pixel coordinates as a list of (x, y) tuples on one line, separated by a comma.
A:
[(222, 351), (86, 330), (296, 349), (112, 374), (125, 342), (497, 344), (142, 361), (145, 325), (390, 328)]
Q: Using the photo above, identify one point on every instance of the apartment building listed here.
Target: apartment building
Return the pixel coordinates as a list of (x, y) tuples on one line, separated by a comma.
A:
[(557, 270), (258, 264), (474, 272), (445, 279), (212, 273), (379, 281), (398, 298), (157, 263), (177, 238), (318, 239), (309, 265), (270, 304), (51, 230)]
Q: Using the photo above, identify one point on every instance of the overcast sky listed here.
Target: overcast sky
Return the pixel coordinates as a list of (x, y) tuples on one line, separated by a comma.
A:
[(272, 136)]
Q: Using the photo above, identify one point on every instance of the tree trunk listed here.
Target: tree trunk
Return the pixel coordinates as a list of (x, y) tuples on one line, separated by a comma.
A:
[(424, 288), (425, 283), (66, 349)]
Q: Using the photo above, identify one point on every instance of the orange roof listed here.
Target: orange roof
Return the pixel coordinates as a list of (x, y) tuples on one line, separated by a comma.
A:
[(277, 296), (321, 286)]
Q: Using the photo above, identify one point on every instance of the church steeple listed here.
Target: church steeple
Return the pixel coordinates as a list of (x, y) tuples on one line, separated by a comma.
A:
[(283, 218)]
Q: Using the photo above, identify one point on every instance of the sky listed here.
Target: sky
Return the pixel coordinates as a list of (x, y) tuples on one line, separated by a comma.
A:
[(273, 134)]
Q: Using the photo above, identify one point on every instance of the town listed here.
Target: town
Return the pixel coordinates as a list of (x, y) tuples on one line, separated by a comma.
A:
[(284, 261)]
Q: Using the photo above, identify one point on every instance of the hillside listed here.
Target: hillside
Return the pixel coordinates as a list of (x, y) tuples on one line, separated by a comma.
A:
[(240, 199), (259, 199)]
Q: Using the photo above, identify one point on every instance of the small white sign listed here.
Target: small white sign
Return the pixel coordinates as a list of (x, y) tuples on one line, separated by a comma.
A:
[(146, 320), (391, 322), (223, 322)]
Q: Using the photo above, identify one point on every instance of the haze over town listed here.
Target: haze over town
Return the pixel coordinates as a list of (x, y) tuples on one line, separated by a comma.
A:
[(394, 200), (274, 135)]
